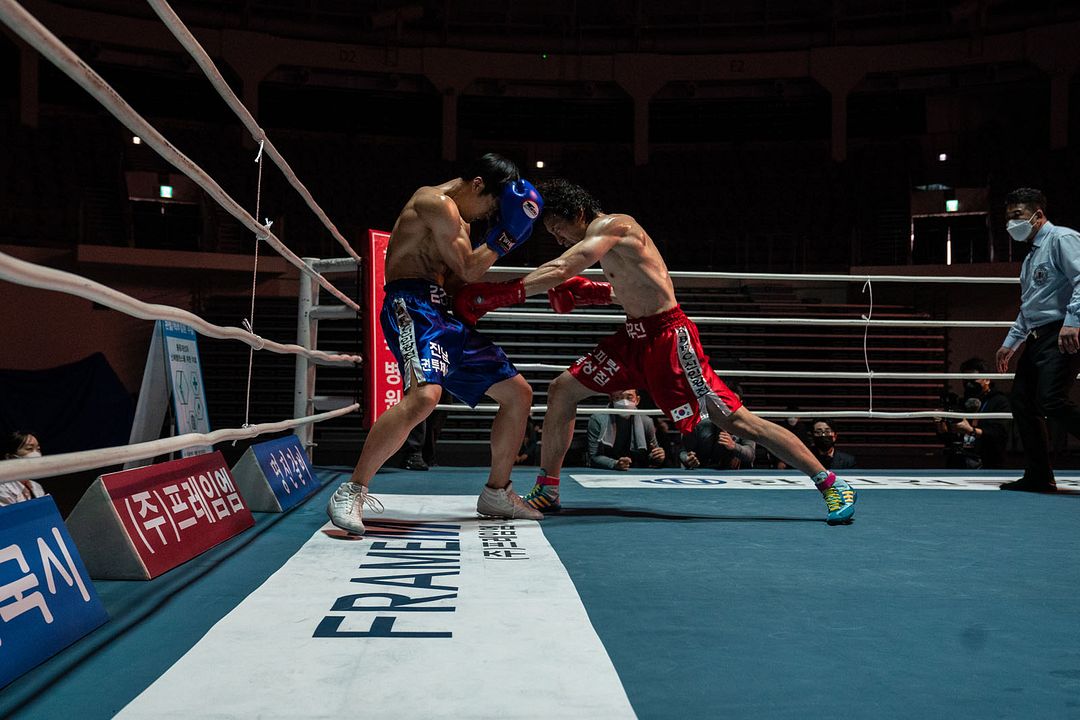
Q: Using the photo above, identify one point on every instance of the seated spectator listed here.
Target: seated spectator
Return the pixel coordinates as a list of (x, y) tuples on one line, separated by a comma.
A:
[(620, 442), (823, 445), (709, 446), (976, 443), (20, 445), (530, 445), (668, 439)]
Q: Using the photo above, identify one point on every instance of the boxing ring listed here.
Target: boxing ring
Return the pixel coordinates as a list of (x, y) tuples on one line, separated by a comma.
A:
[(655, 593)]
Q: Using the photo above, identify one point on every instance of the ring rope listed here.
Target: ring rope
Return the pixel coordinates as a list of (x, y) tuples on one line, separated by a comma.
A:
[(39, 37), (868, 285), (866, 414), (34, 468), (598, 318), (28, 274), (187, 39), (831, 375), (806, 277), (249, 322)]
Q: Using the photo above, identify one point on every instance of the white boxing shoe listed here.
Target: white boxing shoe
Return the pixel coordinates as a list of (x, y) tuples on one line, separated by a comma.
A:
[(505, 503), (346, 507)]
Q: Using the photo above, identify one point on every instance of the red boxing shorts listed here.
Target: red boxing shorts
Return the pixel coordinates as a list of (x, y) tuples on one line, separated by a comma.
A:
[(662, 354)]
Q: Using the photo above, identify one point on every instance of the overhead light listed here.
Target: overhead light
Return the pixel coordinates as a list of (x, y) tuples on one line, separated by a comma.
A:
[(942, 157), (539, 163), (136, 140)]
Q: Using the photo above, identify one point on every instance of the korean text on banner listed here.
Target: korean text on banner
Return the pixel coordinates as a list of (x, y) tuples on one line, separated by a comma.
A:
[(382, 386), (47, 600), (286, 468), (177, 510)]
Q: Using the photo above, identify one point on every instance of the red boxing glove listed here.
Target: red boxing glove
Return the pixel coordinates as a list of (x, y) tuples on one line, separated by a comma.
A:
[(578, 291), (478, 299)]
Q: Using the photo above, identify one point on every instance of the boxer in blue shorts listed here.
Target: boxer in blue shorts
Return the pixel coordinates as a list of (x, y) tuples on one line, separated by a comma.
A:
[(430, 249), (435, 346)]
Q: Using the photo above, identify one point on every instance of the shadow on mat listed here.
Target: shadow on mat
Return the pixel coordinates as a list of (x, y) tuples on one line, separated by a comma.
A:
[(629, 514)]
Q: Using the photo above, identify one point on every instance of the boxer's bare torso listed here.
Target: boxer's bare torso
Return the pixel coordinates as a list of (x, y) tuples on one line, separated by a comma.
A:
[(626, 253), (429, 232)]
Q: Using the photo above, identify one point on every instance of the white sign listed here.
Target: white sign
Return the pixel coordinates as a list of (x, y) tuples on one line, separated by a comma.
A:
[(185, 379), (433, 614)]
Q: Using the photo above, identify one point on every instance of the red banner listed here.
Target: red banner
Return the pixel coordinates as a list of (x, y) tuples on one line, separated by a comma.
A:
[(382, 386), (177, 510)]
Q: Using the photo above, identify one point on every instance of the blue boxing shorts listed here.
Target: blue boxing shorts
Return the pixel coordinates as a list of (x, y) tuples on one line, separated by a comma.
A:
[(437, 348)]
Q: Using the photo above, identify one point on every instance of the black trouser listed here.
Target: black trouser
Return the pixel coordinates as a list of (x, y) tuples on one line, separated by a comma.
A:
[(1040, 390)]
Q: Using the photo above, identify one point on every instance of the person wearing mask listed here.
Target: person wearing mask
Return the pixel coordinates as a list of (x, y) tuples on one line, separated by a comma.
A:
[(977, 443), (1048, 326), (20, 445), (622, 441), (823, 445)]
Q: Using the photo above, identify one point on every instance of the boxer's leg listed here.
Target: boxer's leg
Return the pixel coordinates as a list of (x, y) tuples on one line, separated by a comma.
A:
[(839, 496), (564, 394), (498, 498), (346, 506)]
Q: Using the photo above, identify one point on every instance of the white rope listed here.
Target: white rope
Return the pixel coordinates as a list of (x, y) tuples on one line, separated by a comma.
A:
[(249, 322), (597, 318), (38, 36), (695, 275), (28, 274), (870, 414), (868, 285), (181, 32), (839, 375), (34, 468)]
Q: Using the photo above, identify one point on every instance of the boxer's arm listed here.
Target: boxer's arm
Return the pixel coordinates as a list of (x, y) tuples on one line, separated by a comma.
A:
[(451, 236), (599, 240)]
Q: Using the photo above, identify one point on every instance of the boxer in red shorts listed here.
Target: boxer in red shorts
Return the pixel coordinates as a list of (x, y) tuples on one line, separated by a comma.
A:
[(658, 348)]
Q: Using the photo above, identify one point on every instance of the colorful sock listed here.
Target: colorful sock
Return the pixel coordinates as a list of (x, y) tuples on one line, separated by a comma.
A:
[(824, 480), (542, 479)]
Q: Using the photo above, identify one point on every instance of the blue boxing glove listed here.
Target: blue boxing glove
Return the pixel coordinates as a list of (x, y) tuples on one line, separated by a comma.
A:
[(519, 207)]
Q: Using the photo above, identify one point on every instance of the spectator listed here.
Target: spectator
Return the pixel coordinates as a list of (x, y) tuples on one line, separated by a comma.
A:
[(711, 447), (974, 444), (20, 445), (823, 445), (619, 442), (668, 440), (530, 444)]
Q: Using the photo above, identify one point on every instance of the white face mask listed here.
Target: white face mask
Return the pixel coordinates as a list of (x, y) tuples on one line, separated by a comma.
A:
[(1020, 230), (624, 404), (35, 453)]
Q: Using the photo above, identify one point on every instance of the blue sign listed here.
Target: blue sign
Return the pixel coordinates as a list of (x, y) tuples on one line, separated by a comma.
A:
[(285, 465), (47, 600)]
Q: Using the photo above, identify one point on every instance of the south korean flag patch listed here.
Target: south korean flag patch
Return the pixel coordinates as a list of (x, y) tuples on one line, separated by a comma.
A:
[(682, 412)]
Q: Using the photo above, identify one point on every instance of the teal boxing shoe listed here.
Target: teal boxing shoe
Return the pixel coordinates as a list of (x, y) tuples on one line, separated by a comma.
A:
[(839, 498)]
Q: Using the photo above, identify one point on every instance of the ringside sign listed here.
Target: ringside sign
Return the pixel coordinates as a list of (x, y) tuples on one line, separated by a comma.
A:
[(275, 476), (382, 386), (47, 601), (141, 523)]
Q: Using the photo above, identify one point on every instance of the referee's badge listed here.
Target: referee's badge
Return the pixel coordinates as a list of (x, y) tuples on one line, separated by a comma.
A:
[(1042, 274)]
